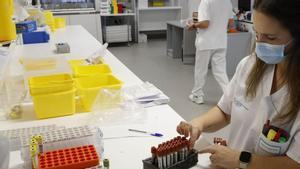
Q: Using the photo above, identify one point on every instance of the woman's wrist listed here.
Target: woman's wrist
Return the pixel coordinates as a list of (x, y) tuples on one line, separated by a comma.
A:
[(197, 124), (194, 25)]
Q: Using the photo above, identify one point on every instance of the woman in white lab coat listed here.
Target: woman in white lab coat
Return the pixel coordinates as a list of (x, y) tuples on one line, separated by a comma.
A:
[(262, 101)]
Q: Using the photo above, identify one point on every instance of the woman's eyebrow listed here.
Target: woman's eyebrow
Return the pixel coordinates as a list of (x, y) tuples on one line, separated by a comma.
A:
[(266, 34)]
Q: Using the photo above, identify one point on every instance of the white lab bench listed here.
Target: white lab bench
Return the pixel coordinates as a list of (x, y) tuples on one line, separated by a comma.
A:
[(123, 152)]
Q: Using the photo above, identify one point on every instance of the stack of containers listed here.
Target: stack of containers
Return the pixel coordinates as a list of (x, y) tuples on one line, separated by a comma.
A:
[(91, 70), (60, 23), (114, 5), (90, 79), (8, 27), (53, 95), (49, 19)]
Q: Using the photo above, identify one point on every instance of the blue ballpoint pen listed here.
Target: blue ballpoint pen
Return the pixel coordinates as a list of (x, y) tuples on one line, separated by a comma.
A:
[(152, 134)]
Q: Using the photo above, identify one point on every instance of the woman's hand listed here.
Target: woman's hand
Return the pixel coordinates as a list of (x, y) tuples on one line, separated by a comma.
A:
[(189, 130), (190, 25), (222, 157)]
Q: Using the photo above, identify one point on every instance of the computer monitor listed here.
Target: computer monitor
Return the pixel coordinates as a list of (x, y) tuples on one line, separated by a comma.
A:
[(244, 5)]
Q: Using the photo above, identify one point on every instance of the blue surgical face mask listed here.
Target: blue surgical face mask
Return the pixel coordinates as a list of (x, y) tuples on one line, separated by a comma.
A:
[(270, 54)]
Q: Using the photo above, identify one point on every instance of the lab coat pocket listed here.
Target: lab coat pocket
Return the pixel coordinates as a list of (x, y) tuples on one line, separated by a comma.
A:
[(266, 147)]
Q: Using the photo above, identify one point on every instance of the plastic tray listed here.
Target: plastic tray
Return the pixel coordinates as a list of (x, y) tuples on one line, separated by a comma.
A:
[(191, 161)]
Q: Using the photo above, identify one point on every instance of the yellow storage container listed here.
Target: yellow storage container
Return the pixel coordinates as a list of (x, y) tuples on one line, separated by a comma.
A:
[(53, 95), (54, 104), (91, 70), (8, 27), (60, 22), (50, 84), (38, 80), (80, 62), (49, 19), (89, 87)]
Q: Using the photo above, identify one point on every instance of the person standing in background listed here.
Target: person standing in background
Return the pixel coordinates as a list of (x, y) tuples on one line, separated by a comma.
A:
[(211, 44)]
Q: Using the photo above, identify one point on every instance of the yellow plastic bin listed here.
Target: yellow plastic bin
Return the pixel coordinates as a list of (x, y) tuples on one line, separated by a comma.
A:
[(80, 62), (89, 87), (8, 27), (54, 104), (50, 84), (49, 19), (91, 70), (60, 22), (75, 63)]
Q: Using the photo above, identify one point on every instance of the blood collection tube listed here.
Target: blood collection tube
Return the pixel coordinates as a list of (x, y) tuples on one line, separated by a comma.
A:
[(39, 139), (172, 153), (186, 149), (178, 151), (154, 155), (175, 153), (164, 157), (223, 143), (182, 150), (34, 156), (159, 158), (168, 154)]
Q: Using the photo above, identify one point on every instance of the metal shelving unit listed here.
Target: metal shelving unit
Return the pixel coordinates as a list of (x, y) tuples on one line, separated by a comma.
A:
[(113, 32)]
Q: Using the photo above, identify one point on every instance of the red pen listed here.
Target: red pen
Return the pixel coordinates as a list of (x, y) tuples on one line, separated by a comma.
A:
[(278, 134)]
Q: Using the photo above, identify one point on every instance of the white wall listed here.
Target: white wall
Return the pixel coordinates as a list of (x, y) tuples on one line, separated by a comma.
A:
[(189, 6), (235, 3)]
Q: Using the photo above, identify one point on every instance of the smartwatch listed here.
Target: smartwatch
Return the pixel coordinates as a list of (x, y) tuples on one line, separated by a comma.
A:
[(245, 158)]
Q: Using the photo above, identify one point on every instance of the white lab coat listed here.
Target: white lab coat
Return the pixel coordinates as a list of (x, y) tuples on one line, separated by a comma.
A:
[(248, 116), (211, 43), (217, 13)]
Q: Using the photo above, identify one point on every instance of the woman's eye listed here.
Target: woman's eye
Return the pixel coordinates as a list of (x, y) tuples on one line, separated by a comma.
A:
[(271, 37)]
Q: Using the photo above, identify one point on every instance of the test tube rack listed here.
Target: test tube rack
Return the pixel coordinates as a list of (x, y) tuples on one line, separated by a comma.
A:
[(95, 167), (70, 158), (173, 154), (16, 136), (65, 138)]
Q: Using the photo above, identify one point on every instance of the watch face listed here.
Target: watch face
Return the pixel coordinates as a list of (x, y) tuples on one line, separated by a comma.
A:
[(245, 157)]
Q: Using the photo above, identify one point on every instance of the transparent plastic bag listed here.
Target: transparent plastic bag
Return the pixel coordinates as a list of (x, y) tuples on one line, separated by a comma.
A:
[(115, 107), (13, 91)]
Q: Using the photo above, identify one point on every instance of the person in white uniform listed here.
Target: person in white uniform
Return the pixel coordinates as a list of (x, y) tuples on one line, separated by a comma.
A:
[(211, 44), (262, 101)]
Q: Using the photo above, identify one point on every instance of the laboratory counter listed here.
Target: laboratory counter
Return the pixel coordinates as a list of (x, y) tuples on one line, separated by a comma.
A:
[(122, 148)]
